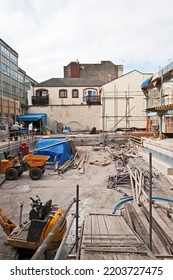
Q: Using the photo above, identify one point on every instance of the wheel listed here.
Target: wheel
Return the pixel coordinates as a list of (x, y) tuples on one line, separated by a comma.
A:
[(35, 173), (11, 174)]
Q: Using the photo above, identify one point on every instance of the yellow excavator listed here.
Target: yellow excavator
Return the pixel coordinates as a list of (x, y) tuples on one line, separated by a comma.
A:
[(30, 234)]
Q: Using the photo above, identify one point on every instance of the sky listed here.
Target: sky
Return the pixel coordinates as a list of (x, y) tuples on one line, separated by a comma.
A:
[(49, 34)]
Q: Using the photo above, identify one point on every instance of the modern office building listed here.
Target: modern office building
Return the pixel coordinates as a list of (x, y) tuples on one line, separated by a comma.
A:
[(14, 84)]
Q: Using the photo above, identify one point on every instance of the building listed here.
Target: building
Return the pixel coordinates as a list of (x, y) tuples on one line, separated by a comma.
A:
[(85, 103), (158, 91), (74, 102), (123, 102), (104, 71), (14, 84)]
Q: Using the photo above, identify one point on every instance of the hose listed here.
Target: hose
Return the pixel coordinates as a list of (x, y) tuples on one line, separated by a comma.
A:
[(131, 198)]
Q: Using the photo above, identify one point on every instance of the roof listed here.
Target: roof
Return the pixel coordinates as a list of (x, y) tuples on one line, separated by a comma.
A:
[(164, 73), (126, 75), (70, 82)]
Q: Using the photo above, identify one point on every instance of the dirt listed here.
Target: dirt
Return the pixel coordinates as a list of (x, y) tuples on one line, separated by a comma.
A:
[(94, 195)]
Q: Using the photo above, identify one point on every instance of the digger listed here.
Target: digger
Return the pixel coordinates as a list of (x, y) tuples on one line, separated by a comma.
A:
[(30, 234), (14, 166)]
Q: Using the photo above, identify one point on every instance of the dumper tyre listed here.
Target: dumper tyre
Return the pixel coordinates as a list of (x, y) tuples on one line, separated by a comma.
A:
[(11, 174), (35, 173)]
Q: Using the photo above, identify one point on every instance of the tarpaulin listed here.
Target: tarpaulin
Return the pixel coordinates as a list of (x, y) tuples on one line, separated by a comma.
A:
[(57, 148)]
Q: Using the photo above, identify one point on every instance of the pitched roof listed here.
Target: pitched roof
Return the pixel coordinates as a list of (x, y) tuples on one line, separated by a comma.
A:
[(70, 82)]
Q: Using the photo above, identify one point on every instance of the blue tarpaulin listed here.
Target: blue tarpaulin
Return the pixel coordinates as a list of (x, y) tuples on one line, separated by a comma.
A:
[(146, 82), (61, 152)]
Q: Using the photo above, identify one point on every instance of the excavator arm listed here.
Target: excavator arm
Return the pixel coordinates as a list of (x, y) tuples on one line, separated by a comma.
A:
[(5, 222)]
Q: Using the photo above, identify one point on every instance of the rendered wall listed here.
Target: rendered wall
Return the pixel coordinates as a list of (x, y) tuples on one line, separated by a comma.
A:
[(86, 116)]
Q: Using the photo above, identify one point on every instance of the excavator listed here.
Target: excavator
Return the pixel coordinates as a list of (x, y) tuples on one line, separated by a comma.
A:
[(30, 234)]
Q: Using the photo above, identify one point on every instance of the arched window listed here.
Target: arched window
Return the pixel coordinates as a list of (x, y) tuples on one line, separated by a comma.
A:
[(90, 96), (75, 93), (42, 92), (41, 98), (62, 93)]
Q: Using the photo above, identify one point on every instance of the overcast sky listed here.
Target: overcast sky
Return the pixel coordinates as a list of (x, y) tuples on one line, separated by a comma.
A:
[(49, 34)]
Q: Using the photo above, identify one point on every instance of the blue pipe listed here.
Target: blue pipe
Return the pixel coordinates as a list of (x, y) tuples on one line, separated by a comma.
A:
[(131, 198), (120, 203)]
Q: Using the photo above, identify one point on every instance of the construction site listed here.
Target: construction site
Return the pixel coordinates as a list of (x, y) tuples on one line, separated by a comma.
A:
[(112, 199), (92, 179)]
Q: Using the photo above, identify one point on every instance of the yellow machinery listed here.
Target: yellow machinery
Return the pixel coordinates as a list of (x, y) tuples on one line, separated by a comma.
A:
[(30, 234), (13, 167)]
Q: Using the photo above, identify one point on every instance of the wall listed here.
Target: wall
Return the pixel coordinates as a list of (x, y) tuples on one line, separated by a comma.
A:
[(116, 104), (87, 116), (54, 95), (104, 71)]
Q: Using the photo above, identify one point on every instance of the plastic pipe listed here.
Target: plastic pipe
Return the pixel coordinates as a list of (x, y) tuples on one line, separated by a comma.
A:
[(131, 198)]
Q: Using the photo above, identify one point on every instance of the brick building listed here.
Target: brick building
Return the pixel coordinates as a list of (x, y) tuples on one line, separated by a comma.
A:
[(104, 71)]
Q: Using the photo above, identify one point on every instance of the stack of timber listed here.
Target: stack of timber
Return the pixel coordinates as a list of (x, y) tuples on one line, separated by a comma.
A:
[(76, 163), (162, 227), (107, 236), (79, 164)]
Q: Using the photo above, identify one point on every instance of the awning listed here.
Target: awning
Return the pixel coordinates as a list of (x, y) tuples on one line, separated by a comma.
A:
[(33, 118)]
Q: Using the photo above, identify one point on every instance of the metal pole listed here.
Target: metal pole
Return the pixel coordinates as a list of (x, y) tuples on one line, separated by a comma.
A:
[(59, 251), (49, 237), (150, 201), (77, 215), (103, 119), (20, 219)]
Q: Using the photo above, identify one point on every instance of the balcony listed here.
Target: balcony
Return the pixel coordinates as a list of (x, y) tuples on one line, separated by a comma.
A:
[(40, 100), (93, 100)]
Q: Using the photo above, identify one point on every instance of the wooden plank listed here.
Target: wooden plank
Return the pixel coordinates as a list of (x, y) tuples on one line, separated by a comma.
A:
[(161, 234), (164, 216), (161, 223), (123, 256), (117, 250), (112, 243), (114, 224), (103, 228), (125, 226), (95, 227), (157, 242)]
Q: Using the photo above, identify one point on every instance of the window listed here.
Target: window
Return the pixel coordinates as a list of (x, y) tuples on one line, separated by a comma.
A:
[(42, 92), (75, 93), (62, 93), (90, 92)]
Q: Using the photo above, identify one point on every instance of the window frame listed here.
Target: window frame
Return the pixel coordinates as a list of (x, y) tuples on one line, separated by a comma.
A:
[(65, 91), (38, 92), (77, 91)]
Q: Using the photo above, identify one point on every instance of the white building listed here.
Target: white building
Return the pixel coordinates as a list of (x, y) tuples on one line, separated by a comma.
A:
[(85, 103), (68, 100), (123, 103)]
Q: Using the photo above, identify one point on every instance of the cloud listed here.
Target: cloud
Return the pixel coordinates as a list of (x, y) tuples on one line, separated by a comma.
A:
[(50, 34)]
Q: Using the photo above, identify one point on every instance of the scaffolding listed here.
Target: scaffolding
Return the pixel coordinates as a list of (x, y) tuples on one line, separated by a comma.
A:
[(117, 115)]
